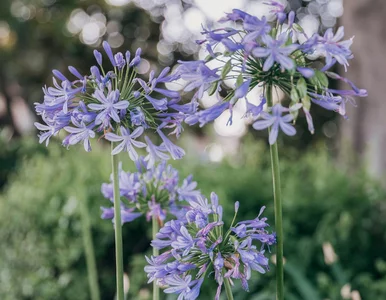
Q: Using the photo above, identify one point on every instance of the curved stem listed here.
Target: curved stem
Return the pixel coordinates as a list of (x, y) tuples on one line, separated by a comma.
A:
[(118, 228), (228, 289), (155, 228), (278, 210)]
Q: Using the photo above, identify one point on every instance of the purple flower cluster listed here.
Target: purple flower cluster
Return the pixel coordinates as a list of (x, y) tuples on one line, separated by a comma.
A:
[(270, 55), (115, 103), (196, 245), (153, 190)]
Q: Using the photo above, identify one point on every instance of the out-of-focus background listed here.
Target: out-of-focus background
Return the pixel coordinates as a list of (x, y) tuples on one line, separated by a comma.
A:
[(333, 187)]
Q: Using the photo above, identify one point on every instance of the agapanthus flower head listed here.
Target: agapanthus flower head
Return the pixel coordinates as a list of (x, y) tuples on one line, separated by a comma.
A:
[(269, 55), (112, 101), (197, 246), (156, 191)]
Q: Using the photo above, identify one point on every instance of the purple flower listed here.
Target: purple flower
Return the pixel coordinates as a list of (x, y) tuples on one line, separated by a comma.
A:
[(198, 75), (327, 101), (151, 191), (198, 217), (59, 75), (98, 57), (264, 54), (355, 92), (333, 48), (278, 9), (107, 213), (181, 286), (218, 266), (184, 241), (175, 151), (252, 260), (127, 140), (242, 90), (187, 108), (291, 18), (310, 123), (207, 115), (46, 131), (129, 185), (188, 191), (201, 242), (96, 74), (306, 72), (75, 72), (155, 210), (98, 102), (138, 117), (109, 53), (276, 51), (155, 153), (162, 77), (235, 15), (158, 104), (214, 37), (137, 58), (63, 93), (109, 107), (80, 113), (127, 214), (203, 232), (256, 223), (275, 121), (79, 134), (255, 110), (256, 28), (119, 60)]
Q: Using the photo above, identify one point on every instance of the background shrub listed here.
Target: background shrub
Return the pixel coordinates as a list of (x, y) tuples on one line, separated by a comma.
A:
[(41, 253)]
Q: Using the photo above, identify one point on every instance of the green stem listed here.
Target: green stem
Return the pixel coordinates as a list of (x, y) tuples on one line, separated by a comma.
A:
[(278, 209), (228, 289), (155, 229), (89, 250), (118, 227)]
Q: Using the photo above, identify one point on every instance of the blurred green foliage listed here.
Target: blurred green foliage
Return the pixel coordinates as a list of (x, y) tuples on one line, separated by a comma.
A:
[(42, 257)]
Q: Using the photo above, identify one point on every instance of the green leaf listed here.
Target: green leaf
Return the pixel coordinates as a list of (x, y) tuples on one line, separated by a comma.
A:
[(294, 95), (209, 57), (298, 28), (306, 102), (239, 80), (319, 79), (295, 114), (226, 69), (304, 286), (213, 88), (322, 78), (302, 87), (292, 71)]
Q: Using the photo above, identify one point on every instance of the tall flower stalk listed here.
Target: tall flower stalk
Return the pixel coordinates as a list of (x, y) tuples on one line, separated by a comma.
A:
[(118, 228), (155, 228), (228, 288), (245, 52), (278, 209)]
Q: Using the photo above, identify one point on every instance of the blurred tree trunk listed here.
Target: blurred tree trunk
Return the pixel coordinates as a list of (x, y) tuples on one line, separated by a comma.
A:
[(8, 118), (363, 136)]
